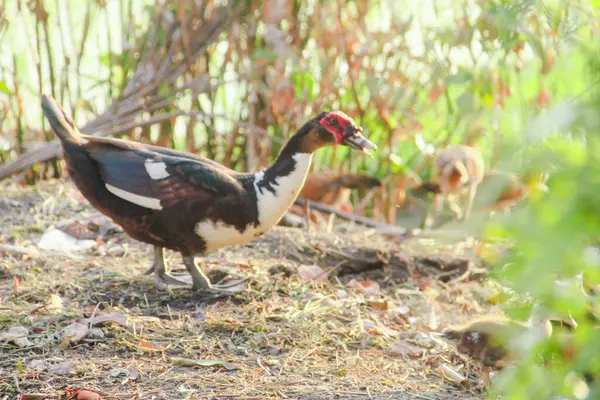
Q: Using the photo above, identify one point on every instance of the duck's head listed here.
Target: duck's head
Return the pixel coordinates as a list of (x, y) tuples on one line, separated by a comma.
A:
[(330, 129), (345, 131)]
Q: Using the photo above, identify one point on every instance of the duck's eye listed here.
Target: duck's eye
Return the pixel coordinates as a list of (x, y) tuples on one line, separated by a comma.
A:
[(333, 121)]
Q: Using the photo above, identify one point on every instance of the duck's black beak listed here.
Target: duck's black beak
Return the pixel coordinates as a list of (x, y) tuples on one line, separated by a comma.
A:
[(357, 141)]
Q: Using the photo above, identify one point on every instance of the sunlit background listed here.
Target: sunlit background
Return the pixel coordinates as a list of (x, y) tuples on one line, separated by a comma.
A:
[(416, 75)]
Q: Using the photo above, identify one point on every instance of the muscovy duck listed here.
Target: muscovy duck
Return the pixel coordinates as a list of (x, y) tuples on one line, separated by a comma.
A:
[(496, 341), (187, 203), (458, 170)]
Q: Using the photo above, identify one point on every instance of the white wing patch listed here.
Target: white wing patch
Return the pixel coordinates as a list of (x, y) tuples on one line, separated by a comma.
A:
[(142, 201), (156, 170)]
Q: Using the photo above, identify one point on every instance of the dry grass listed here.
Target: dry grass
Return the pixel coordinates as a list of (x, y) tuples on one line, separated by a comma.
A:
[(286, 338)]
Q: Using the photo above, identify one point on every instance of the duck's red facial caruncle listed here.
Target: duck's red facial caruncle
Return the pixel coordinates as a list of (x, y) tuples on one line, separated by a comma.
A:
[(346, 132)]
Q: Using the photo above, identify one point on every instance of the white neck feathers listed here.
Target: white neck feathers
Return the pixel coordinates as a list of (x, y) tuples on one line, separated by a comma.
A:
[(275, 199)]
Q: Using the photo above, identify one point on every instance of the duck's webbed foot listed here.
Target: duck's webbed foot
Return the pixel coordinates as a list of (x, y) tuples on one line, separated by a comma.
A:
[(162, 278), (202, 284)]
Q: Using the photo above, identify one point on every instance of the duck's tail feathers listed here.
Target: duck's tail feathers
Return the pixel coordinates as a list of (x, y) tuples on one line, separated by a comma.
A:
[(428, 187), (457, 172), (61, 123)]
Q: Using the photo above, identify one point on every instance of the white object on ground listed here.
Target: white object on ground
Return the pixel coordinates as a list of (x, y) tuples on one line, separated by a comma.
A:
[(55, 239)]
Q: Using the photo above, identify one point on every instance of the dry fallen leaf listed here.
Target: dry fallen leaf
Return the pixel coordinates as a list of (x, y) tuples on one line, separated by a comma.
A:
[(96, 333), (16, 334), (373, 328), (134, 374), (402, 310), (312, 273), (116, 372), (365, 287), (88, 395), (56, 304), (38, 365), (451, 375), (34, 396), (402, 347), (66, 342), (74, 332), (16, 283), (63, 368), (186, 362), (79, 230), (147, 346), (89, 310), (114, 317), (379, 305)]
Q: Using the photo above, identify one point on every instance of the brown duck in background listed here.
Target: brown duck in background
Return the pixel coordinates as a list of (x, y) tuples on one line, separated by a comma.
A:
[(190, 204), (502, 190), (333, 189), (499, 190), (460, 170), (495, 341), (457, 171), (505, 189), (482, 339)]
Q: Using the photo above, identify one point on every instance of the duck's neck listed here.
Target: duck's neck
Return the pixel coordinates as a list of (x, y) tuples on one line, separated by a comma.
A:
[(278, 185)]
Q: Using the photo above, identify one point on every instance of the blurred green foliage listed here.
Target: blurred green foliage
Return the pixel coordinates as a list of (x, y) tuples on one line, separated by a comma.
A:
[(556, 239), (416, 75)]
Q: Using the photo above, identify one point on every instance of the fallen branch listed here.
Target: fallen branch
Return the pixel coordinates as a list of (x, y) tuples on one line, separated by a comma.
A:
[(386, 228), (379, 227)]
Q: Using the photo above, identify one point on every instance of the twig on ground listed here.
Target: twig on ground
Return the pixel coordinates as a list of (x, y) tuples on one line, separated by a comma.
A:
[(6, 248)]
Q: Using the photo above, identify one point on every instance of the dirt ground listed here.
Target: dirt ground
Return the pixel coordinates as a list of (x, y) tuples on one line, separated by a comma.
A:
[(92, 320)]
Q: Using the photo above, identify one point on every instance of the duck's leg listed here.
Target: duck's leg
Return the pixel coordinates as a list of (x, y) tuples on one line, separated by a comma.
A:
[(433, 211), (470, 197), (163, 280), (159, 258), (455, 207), (202, 284)]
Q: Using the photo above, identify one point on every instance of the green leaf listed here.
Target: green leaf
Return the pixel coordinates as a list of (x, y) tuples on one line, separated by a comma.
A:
[(460, 78), (265, 54), (468, 102), (4, 88), (303, 83), (488, 100), (536, 45), (164, 89), (105, 60)]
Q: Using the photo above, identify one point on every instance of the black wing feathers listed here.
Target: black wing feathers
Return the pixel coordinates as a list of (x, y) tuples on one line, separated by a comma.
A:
[(123, 169), (124, 165), (188, 156)]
